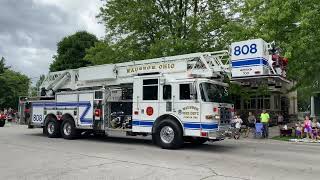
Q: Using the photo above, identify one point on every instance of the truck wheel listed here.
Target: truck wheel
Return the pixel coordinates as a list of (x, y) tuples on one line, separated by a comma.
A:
[(68, 129), (30, 126), (52, 128), (44, 132), (196, 140), (2, 123), (168, 135)]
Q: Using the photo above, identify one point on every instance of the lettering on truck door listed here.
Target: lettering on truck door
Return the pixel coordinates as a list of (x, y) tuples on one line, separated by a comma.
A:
[(188, 109)]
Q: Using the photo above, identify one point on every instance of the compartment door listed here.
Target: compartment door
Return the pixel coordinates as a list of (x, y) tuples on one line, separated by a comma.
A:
[(146, 104), (85, 109)]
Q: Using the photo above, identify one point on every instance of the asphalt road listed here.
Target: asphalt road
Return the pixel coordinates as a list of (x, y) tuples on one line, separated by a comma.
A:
[(27, 154)]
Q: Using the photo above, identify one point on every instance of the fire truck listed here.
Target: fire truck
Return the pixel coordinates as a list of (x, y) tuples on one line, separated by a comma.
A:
[(174, 99)]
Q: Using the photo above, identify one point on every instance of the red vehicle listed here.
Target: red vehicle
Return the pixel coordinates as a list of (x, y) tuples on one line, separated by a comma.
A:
[(3, 118)]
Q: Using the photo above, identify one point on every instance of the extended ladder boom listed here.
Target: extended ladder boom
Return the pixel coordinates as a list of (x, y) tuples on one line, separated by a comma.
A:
[(248, 62), (207, 64)]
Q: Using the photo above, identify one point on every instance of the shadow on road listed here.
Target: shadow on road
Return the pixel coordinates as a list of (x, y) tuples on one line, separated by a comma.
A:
[(217, 147)]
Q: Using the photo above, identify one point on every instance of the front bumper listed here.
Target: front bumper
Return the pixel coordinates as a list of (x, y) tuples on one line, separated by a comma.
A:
[(221, 133)]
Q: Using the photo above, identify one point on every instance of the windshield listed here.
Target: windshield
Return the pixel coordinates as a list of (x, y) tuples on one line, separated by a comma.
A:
[(214, 93)]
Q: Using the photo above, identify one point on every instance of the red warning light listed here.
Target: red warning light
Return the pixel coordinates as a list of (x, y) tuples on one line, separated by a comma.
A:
[(149, 111)]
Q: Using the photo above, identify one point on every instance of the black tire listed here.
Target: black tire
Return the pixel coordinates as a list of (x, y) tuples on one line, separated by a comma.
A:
[(196, 140), (176, 140), (68, 129), (52, 128), (2, 123), (44, 132), (30, 126)]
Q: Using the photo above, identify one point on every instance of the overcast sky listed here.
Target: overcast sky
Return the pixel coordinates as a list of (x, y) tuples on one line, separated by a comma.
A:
[(30, 30)]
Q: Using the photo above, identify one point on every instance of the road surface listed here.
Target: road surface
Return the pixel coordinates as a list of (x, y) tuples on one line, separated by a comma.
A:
[(27, 154)]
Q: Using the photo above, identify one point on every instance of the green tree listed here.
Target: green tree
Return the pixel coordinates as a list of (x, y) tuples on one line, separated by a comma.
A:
[(71, 51), (139, 29), (35, 89), (102, 53), (40, 81), (3, 67), (13, 85)]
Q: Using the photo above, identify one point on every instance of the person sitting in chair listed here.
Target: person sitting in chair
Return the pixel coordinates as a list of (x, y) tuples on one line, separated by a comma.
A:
[(237, 121), (298, 130), (315, 129)]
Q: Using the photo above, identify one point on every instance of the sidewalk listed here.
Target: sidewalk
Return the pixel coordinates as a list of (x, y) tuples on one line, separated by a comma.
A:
[(273, 131)]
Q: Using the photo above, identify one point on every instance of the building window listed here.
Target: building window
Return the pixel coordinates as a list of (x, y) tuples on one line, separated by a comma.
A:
[(277, 102), (150, 89), (253, 104), (266, 103), (259, 103)]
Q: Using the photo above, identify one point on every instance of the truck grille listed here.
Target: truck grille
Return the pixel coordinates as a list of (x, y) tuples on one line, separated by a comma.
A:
[(225, 116)]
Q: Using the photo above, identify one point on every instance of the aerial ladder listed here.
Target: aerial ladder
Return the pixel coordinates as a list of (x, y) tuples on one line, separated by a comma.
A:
[(208, 64), (248, 63)]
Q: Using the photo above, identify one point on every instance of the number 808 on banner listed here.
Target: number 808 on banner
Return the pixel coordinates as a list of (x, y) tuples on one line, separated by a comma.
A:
[(249, 49), (245, 49)]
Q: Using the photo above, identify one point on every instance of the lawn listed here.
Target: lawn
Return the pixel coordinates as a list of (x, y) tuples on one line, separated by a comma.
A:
[(283, 138)]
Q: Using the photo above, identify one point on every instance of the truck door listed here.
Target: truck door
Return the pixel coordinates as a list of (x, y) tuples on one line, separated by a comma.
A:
[(187, 107), (145, 103), (85, 109), (166, 103)]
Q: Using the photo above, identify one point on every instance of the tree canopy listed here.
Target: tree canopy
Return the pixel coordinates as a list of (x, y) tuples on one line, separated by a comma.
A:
[(147, 29), (2, 65), (36, 89), (13, 84), (71, 51)]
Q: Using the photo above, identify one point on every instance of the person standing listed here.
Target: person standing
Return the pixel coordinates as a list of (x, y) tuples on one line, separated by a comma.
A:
[(308, 127), (264, 118), (251, 123), (280, 119)]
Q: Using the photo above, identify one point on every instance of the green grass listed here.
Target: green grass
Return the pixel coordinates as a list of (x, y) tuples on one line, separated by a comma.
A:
[(284, 138)]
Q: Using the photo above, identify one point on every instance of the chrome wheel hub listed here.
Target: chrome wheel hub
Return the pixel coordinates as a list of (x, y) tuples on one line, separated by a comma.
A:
[(167, 134), (67, 129), (50, 127)]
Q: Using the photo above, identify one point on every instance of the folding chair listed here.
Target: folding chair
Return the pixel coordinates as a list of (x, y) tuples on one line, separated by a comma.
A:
[(258, 130)]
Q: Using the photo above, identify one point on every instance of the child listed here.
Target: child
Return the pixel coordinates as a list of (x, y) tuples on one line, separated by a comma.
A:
[(307, 127), (299, 130)]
